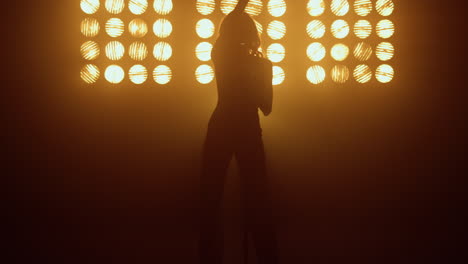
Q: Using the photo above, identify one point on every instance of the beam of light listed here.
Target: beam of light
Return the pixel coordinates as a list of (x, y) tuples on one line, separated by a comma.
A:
[(138, 28), (316, 51), (316, 7), (340, 74), (385, 28), (227, 6), (90, 73), (385, 7), (138, 51), (163, 7), (316, 74), (362, 73), (115, 50), (316, 29), (162, 74), (340, 29), (363, 7), (90, 27), (138, 74), (362, 51), (277, 8), (385, 51), (362, 29), (90, 6), (204, 74), (254, 7), (278, 75), (115, 6), (276, 30), (90, 50), (114, 74), (259, 27), (115, 27), (138, 7), (203, 51), (206, 7), (276, 52), (340, 52), (340, 7), (384, 73), (162, 28), (162, 51), (205, 28)]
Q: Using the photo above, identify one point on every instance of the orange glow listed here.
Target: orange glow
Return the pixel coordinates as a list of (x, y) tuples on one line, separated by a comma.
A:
[(115, 27), (340, 74), (162, 28), (362, 51), (138, 28), (385, 7), (205, 28), (277, 8), (384, 73), (90, 50), (362, 29), (385, 51), (162, 74), (162, 51), (316, 29), (115, 6), (90, 73), (278, 75), (114, 74), (340, 29), (385, 28), (276, 52), (316, 74), (90, 6), (138, 7), (90, 27), (316, 7), (363, 7), (362, 73), (163, 7), (316, 51), (138, 74), (340, 7), (138, 51), (206, 7), (204, 74), (276, 30)]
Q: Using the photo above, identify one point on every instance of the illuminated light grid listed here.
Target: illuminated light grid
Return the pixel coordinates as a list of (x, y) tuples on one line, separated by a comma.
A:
[(385, 51), (316, 7), (362, 51), (276, 30), (138, 28), (163, 7), (90, 6), (340, 7), (316, 29), (162, 74), (276, 8), (115, 6), (363, 7), (204, 74), (384, 7), (90, 27), (316, 51), (362, 73), (385, 28), (203, 51), (276, 52), (340, 74), (138, 74), (278, 75), (384, 73), (162, 51), (316, 74), (206, 7), (138, 7), (114, 74), (115, 27), (115, 50), (90, 73), (340, 29), (340, 52), (162, 28), (138, 51), (90, 50), (205, 28), (362, 29)]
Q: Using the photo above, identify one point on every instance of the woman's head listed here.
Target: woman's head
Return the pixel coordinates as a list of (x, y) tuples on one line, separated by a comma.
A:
[(239, 29)]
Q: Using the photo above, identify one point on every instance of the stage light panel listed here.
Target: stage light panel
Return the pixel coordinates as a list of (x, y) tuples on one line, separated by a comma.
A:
[(203, 51), (384, 73), (276, 8), (90, 27), (162, 51), (362, 73), (384, 7), (138, 28), (114, 74), (162, 28), (138, 7), (276, 52), (385, 51), (316, 29), (138, 74), (276, 30), (362, 7), (340, 74), (204, 74), (90, 50), (205, 28), (115, 50), (362, 29), (163, 7), (162, 74), (90, 73), (138, 51), (316, 74), (340, 7), (206, 7), (115, 27)]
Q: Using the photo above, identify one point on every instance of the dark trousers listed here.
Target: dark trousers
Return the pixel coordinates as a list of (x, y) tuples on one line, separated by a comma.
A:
[(247, 147)]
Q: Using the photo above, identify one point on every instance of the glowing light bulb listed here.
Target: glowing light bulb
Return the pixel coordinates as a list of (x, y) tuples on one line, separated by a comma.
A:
[(138, 7), (203, 51), (316, 29), (114, 74), (206, 7), (340, 7), (316, 74), (277, 8), (276, 52), (316, 51), (340, 52), (384, 73), (385, 51), (340, 74), (163, 7), (316, 7), (363, 7), (385, 7), (340, 29), (162, 28), (138, 51), (90, 73), (115, 50), (90, 27), (227, 6), (90, 6), (138, 74), (385, 28), (254, 7), (276, 29), (138, 28), (162, 51), (362, 51), (162, 74), (115, 27), (204, 74), (362, 73), (278, 75), (115, 6), (205, 28), (362, 29), (90, 50)]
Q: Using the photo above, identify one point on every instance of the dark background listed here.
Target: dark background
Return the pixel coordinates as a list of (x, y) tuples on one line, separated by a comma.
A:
[(361, 174)]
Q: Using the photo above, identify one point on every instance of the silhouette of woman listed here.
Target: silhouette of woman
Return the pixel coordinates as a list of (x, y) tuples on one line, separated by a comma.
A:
[(244, 83)]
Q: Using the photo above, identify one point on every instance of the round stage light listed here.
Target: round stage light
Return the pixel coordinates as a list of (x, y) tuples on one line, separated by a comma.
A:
[(162, 74), (363, 7), (316, 7), (385, 51), (277, 8), (316, 74), (227, 6), (138, 74), (340, 52), (138, 51), (115, 6), (340, 7), (114, 74), (316, 29), (204, 74), (206, 7), (90, 27), (115, 50), (163, 7), (115, 27), (138, 28), (362, 29), (90, 73), (384, 73), (340, 74), (203, 51), (340, 29), (254, 7), (316, 51), (276, 30), (362, 51), (90, 6), (278, 75), (385, 7), (162, 28), (90, 50), (362, 73), (276, 52), (162, 51), (205, 28), (138, 7), (385, 28)]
